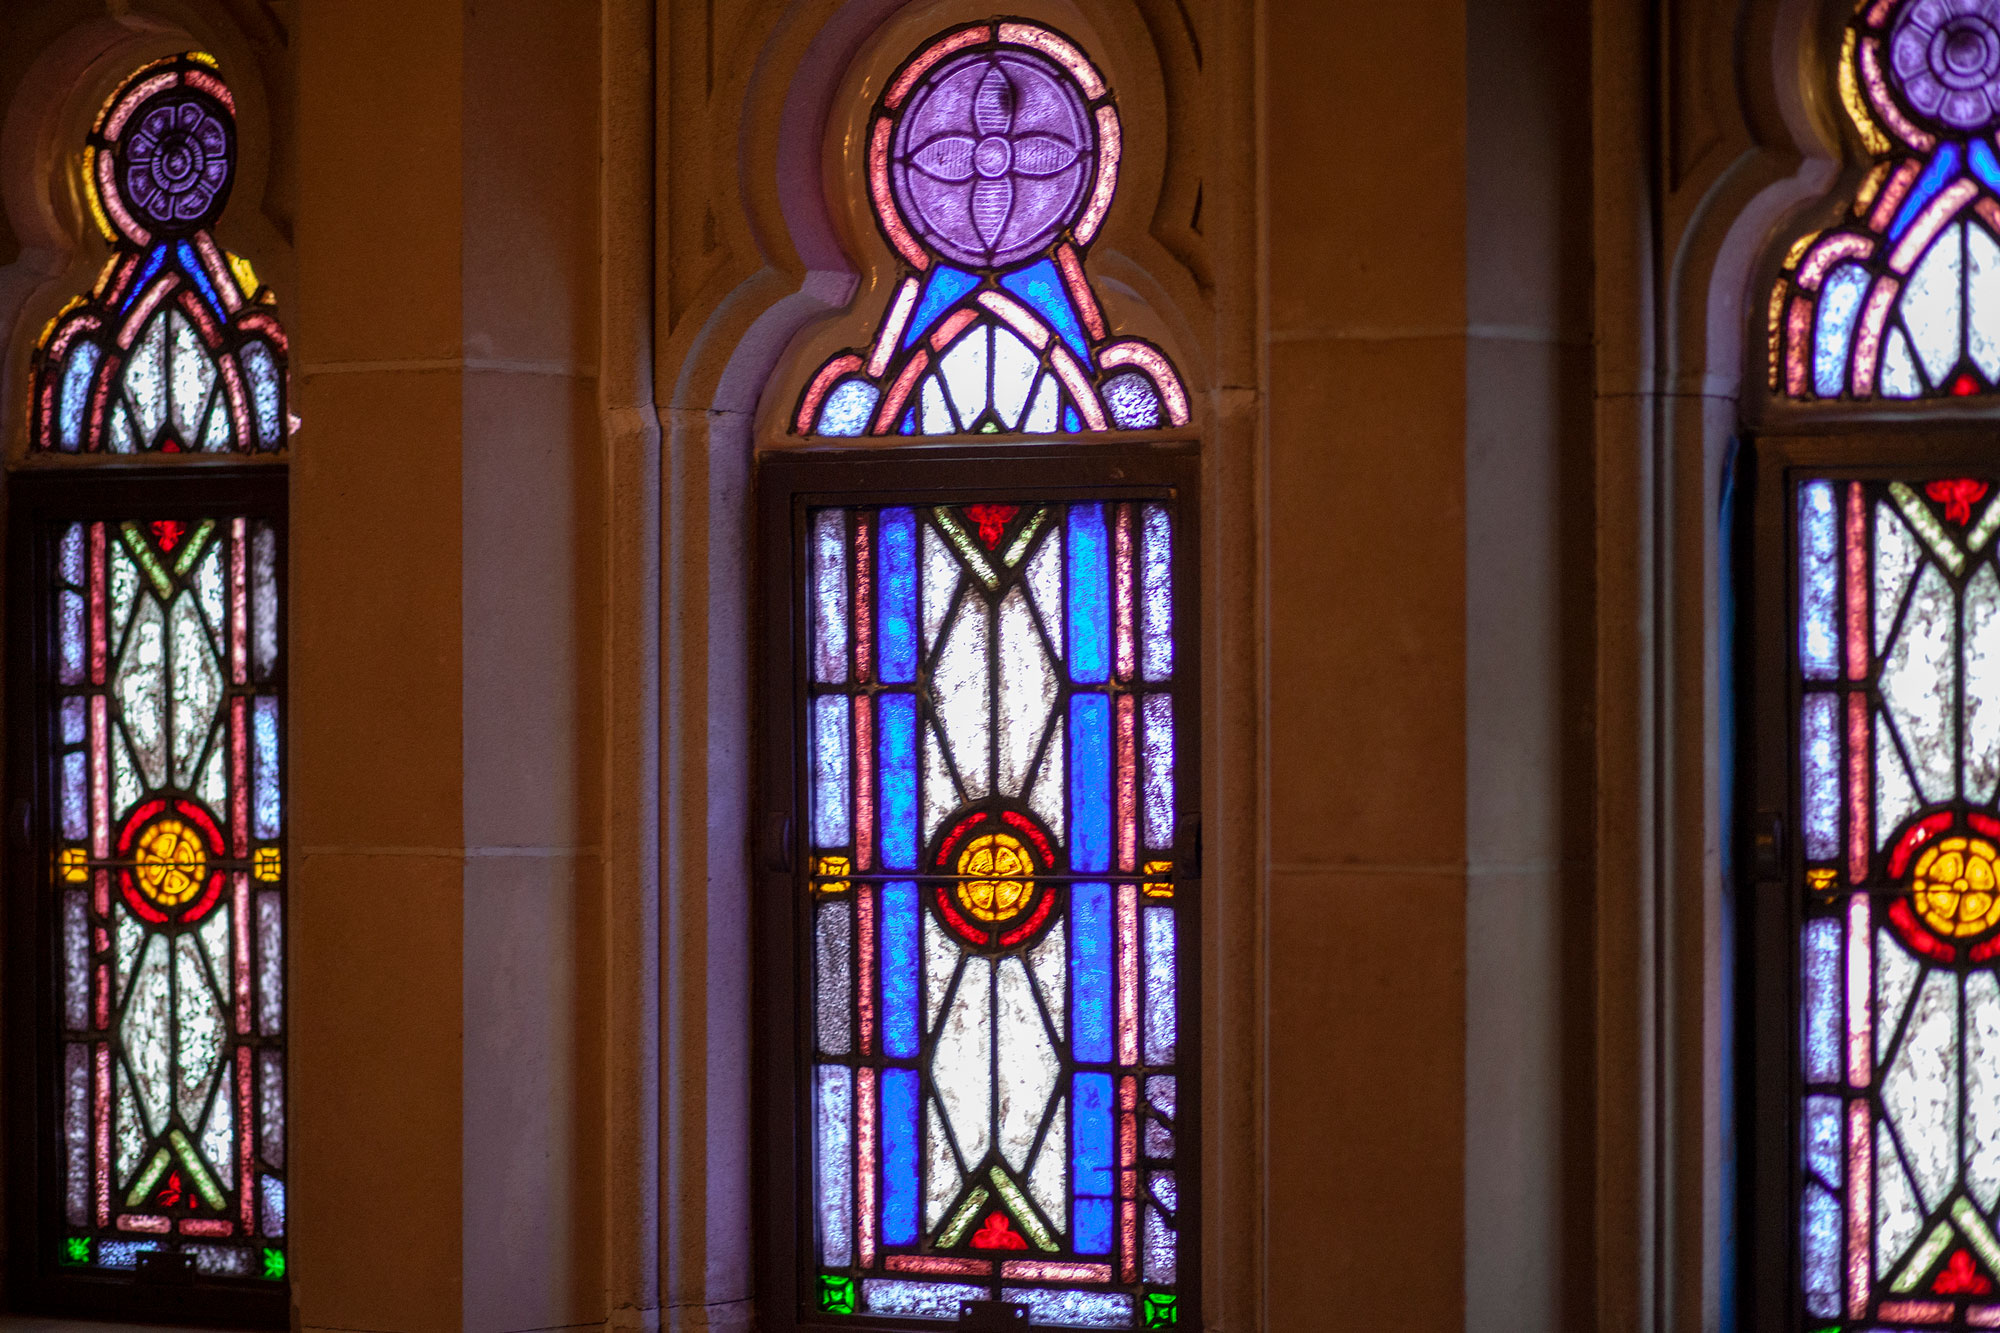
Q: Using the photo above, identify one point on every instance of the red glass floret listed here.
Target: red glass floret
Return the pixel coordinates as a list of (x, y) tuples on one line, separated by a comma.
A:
[(167, 534), (1960, 1276), (1964, 386), (1957, 495), (998, 1234), (992, 521)]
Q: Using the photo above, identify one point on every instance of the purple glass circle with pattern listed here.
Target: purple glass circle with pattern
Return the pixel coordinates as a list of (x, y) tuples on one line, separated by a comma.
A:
[(1945, 58), (993, 157), (175, 161)]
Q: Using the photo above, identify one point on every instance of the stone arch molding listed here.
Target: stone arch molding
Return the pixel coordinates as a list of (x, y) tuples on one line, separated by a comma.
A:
[(44, 117)]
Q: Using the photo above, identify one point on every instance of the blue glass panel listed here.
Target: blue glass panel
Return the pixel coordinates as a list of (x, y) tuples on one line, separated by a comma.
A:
[(1819, 757), (1839, 303), (1936, 176), (1090, 782), (192, 267), (908, 425), (1091, 1162), (1159, 1021), (899, 1156), (1089, 595), (1071, 421), (1818, 643), (72, 721), (1822, 1139), (76, 382), (831, 744), (264, 767), (901, 922), (942, 290), (897, 596), (1090, 972), (836, 1165), (1041, 286), (154, 261), (1821, 948), (1983, 164), (896, 808)]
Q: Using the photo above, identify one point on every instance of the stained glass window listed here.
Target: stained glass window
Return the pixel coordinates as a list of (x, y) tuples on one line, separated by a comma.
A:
[(996, 916), (147, 724), (993, 160), (176, 348), (1900, 296), (1896, 671)]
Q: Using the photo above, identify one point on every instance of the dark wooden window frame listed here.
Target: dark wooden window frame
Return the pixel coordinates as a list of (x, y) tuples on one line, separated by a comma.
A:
[(789, 482), (38, 498), (1767, 875)]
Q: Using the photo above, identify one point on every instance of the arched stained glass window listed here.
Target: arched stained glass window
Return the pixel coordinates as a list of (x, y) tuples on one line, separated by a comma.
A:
[(1900, 297), (146, 744), (992, 161), (981, 746)]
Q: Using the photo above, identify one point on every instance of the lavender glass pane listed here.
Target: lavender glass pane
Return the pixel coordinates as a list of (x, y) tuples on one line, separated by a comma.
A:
[(76, 1131), (1819, 1227), (69, 630), (1821, 1138), (836, 1165), (1819, 775), (224, 1260), (1839, 303), (1134, 402), (1821, 950), (77, 376), (1162, 1249), (75, 796), (270, 963), (829, 616), (918, 1300), (1819, 644), (1156, 556), (264, 767), (1073, 1309), (993, 157), (76, 961), (271, 1195), (271, 1101), (834, 980), (1159, 1124), (72, 721), (123, 1253), (264, 601), (1946, 61), (69, 555), (831, 741), (1159, 800), (1160, 1019)]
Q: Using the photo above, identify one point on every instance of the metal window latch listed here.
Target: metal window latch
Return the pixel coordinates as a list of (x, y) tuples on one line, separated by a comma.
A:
[(1767, 845), (778, 843), (992, 1315)]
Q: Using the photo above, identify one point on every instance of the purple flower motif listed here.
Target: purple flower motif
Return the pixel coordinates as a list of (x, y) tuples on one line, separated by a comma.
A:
[(1945, 58), (176, 163), (993, 157)]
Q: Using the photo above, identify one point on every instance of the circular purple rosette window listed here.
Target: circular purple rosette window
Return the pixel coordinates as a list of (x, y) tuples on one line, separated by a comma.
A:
[(993, 157), (1946, 59), (176, 162)]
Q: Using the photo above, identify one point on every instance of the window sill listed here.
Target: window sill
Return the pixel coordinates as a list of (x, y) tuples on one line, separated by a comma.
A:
[(19, 1323)]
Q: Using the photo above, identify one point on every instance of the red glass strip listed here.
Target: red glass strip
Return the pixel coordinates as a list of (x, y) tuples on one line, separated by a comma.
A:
[(1860, 807), (1123, 542), (1054, 1270), (1128, 785), (148, 1223), (207, 1226), (1918, 1312), (239, 777), (864, 1104), (864, 907), (1080, 294), (103, 1134), (864, 783), (242, 931), (1860, 1188), (1128, 1178), (1857, 584), (1128, 974), (245, 1138), (239, 605), (938, 1265), (864, 613), (1860, 1001), (100, 777), (97, 629), (103, 997)]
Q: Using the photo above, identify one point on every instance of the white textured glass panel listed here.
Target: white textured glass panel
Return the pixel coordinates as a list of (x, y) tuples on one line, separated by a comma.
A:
[(962, 687), (964, 370), (1920, 685), (263, 600), (1920, 1089), (941, 795), (936, 418), (193, 378), (848, 408), (1027, 691), (1043, 410), (1896, 557), (1049, 961), (1982, 1089), (148, 1032), (1899, 368), (218, 1139), (1045, 582), (1895, 798), (1931, 304), (262, 373), (1982, 685), (918, 1300), (962, 1067), (940, 581), (1895, 982), (1161, 1022), (1982, 282), (1896, 1215), (829, 619), (197, 688), (1027, 1065), (1049, 1181), (834, 980), (832, 808), (1839, 301), (1014, 369), (141, 690), (941, 1175), (1046, 796), (1074, 1309), (835, 1149), (146, 381), (198, 1030), (132, 1130), (941, 955)]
